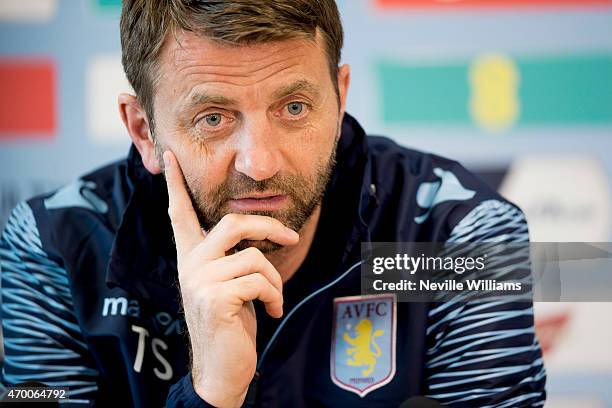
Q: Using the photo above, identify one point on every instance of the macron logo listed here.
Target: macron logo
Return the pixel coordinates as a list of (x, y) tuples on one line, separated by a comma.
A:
[(121, 306), (118, 304)]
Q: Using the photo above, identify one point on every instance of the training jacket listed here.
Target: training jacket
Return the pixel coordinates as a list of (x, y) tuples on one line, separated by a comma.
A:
[(90, 297)]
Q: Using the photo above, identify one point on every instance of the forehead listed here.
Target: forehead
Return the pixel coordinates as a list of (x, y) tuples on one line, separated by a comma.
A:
[(189, 60)]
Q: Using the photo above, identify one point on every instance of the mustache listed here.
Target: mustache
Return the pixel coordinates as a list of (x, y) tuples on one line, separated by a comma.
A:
[(241, 185)]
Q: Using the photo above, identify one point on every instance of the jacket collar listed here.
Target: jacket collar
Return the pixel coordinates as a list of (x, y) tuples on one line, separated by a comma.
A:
[(143, 255)]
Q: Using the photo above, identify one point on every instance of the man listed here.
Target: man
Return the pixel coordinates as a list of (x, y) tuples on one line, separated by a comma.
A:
[(240, 136)]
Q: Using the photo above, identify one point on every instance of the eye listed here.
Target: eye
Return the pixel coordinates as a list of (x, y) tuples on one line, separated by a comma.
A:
[(295, 108), (213, 119)]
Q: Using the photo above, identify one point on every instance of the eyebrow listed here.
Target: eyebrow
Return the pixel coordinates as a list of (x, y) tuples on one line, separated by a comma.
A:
[(300, 85), (200, 98)]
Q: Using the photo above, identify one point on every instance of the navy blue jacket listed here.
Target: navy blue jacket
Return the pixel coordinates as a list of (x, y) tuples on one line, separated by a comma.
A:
[(90, 297)]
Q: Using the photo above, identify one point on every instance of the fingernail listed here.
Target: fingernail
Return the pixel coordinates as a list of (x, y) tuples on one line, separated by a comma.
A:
[(166, 159)]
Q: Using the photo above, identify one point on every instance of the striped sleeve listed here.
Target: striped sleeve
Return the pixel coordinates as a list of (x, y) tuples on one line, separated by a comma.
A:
[(486, 353), (42, 340)]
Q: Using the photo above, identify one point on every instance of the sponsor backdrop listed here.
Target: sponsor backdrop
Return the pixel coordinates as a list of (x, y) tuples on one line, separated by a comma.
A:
[(518, 90)]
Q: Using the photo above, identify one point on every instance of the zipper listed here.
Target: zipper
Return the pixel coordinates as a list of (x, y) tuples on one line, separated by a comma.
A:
[(252, 390), (300, 304)]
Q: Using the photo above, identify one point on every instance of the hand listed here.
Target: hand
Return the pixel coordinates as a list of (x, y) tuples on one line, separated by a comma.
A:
[(218, 290)]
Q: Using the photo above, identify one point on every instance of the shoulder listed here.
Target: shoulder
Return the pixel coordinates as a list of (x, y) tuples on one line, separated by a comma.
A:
[(63, 217), (417, 166), (440, 193)]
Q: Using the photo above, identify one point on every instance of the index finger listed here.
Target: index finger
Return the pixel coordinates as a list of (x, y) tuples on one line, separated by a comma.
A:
[(185, 224)]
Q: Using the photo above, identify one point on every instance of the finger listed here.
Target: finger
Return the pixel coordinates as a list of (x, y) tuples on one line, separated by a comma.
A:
[(234, 228), (256, 286), (185, 224), (242, 263)]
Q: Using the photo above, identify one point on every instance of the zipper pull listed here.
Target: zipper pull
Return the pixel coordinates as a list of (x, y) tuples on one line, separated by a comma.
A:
[(252, 391)]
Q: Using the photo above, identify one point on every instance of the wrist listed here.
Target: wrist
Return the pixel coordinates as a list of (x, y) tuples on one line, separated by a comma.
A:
[(218, 395)]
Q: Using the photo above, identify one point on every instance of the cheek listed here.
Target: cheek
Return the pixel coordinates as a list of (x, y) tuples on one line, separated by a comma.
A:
[(205, 168), (314, 148)]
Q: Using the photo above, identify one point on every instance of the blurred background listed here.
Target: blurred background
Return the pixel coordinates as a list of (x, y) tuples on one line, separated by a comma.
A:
[(520, 91)]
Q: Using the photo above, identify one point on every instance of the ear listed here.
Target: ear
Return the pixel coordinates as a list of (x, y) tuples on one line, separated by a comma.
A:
[(136, 122), (344, 79)]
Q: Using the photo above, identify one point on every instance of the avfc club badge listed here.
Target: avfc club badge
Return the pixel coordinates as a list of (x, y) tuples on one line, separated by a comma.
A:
[(363, 342)]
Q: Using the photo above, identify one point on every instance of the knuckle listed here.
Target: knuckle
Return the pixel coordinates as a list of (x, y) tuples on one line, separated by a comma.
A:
[(176, 209), (274, 276), (260, 263), (248, 259), (277, 278), (258, 279), (230, 219), (278, 297), (252, 252)]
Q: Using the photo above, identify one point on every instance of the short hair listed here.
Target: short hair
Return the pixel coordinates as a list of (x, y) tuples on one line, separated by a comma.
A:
[(145, 25)]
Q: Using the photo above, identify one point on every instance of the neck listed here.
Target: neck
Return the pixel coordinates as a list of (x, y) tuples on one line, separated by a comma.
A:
[(287, 260)]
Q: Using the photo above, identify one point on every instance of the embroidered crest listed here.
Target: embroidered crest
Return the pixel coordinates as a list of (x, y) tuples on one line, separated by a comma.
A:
[(363, 342)]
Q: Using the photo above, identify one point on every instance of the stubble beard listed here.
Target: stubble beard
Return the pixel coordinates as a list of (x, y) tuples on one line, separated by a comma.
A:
[(303, 193)]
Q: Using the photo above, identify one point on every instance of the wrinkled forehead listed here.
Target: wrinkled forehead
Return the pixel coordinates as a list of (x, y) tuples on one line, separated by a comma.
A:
[(187, 56)]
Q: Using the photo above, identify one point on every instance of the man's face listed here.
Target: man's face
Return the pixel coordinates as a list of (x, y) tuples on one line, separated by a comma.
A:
[(253, 127)]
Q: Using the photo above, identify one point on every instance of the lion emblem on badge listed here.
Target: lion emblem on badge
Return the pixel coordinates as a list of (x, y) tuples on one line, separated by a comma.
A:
[(364, 330), (363, 342)]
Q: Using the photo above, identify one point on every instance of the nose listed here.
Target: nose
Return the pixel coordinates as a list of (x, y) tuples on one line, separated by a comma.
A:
[(257, 154)]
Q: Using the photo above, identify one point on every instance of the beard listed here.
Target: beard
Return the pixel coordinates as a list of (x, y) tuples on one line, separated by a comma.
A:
[(304, 194)]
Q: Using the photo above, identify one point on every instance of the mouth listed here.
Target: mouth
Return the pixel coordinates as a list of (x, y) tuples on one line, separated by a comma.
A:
[(258, 202)]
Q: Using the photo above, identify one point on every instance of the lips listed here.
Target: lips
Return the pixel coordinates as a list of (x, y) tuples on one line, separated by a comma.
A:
[(258, 202)]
